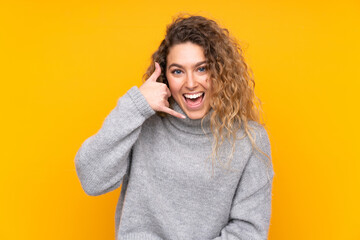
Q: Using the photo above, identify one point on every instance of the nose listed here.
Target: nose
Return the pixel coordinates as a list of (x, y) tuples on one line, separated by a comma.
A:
[(191, 82)]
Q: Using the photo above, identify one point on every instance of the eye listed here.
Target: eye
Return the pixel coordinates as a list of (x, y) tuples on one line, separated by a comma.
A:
[(176, 71), (202, 69)]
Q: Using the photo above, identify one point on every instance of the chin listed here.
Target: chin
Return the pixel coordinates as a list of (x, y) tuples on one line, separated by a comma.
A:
[(196, 115)]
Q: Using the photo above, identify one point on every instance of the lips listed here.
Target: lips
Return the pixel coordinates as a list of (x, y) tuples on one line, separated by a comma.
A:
[(192, 96), (193, 101)]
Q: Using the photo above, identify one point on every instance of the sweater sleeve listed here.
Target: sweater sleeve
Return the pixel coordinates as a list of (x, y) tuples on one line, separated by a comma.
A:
[(103, 159), (251, 209)]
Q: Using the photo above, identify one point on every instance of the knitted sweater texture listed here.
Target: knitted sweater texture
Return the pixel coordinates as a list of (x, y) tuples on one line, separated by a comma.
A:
[(170, 188)]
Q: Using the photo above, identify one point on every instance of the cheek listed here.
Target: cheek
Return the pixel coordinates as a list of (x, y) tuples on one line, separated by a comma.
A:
[(207, 82), (174, 85)]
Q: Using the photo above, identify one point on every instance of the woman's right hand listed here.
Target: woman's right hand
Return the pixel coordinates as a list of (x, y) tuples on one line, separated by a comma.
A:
[(157, 94)]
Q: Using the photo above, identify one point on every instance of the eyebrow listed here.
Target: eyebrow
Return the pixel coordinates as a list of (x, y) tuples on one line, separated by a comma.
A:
[(178, 65)]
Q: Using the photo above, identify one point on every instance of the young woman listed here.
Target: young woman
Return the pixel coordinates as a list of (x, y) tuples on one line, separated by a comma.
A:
[(188, 146)]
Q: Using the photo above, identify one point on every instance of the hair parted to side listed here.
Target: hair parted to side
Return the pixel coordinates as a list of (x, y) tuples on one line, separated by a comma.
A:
[(233, 98)]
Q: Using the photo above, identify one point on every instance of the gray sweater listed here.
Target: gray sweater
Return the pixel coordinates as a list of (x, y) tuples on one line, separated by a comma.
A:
[(169, 190)]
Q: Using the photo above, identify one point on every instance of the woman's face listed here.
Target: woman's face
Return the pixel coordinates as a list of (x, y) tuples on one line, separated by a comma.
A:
[(188, 78)]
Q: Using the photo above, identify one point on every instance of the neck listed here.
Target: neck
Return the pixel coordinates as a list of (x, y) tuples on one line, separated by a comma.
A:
[(193, 126)]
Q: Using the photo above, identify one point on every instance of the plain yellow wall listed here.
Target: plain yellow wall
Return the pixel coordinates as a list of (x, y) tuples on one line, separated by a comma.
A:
[(64, 64)]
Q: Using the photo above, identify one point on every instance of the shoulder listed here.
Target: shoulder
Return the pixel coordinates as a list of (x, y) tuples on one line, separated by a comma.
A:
[(259, 134), (260, 157)]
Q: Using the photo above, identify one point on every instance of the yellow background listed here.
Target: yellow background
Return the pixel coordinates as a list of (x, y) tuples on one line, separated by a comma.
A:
[(64, 64)]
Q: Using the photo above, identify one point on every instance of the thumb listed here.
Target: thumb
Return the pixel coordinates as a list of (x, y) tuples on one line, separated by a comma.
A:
[(156, 73)]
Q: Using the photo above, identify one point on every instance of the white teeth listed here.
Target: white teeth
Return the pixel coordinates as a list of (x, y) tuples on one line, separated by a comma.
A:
[(192, 96)]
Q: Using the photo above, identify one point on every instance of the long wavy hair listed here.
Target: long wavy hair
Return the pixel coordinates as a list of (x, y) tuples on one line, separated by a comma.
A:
[(234, 102)]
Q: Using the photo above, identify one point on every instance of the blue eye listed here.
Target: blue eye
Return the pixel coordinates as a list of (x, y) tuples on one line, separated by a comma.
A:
[(176, 71), (202, 69)]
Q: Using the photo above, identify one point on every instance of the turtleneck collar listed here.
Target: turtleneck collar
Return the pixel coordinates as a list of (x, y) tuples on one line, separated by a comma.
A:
[(188, 125)]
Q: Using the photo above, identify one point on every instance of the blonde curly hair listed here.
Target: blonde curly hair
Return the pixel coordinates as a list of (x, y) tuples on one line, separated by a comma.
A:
[(233, 98)]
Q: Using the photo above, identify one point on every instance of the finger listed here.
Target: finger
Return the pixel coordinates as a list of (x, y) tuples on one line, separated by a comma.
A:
[(172, 112), (156, 73)]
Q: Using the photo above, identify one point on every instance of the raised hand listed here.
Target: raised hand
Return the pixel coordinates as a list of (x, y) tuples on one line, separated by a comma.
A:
[(157, 94)]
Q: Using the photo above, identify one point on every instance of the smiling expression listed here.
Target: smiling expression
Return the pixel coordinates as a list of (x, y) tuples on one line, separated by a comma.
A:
[(188, 77)]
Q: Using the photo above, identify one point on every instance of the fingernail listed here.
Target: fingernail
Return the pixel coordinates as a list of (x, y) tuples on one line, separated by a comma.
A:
[(183, 116)]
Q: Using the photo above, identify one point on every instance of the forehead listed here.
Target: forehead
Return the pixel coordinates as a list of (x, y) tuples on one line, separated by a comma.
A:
[(185, 53)]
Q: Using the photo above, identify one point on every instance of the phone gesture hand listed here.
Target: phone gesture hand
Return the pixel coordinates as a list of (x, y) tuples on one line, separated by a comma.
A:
[(157, 94)]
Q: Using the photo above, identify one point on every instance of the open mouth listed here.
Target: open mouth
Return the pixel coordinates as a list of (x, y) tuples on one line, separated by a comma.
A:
[(194, 100)]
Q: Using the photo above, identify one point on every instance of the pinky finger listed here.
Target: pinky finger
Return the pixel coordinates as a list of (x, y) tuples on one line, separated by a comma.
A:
[(172, 112)]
